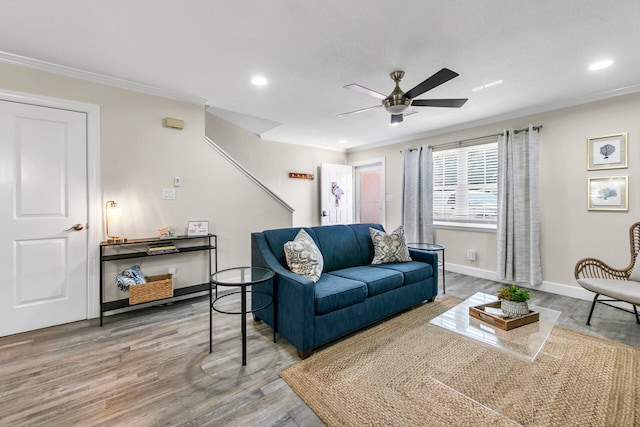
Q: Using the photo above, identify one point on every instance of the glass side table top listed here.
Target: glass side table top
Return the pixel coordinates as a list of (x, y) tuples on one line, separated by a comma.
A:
[(239, 276), (525, 341), (426, 246)]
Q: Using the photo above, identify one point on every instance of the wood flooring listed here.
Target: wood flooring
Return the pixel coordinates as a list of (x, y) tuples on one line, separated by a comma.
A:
[(153, 368)]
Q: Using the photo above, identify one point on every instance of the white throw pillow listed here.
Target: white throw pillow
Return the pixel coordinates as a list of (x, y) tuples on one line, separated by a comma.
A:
[(304, 257), (389, 247)]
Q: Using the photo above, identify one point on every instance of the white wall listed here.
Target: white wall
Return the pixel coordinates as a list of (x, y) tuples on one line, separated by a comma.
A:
[(139, 157), (271, 163), (568, 231)]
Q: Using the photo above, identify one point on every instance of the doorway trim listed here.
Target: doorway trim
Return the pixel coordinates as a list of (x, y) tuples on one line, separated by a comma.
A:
[(94, 199), (380, 161)]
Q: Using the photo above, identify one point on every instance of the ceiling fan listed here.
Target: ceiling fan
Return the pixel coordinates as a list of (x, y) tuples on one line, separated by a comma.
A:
[(398, 101)]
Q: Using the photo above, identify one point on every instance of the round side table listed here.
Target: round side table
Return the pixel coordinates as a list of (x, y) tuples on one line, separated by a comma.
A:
[(242, 278)]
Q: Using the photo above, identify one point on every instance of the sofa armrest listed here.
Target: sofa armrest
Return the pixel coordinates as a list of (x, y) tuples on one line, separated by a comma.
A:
[(295, 295), (429, 258), (424, 256)]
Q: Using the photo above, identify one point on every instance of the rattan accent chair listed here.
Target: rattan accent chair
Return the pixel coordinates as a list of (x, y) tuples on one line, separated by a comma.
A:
[(614, 284)]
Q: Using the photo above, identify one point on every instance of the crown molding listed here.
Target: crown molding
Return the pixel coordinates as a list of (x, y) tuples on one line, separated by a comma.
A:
[(63, 70)]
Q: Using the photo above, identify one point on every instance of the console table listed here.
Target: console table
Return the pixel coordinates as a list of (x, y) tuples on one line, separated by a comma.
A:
[(137, 248)]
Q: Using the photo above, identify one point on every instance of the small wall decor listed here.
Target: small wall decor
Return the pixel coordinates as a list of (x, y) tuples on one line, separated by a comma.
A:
[(198, 228), (166, 232), (170, 122), (610, 193), (337, 192), (607, 152), (298, 175)]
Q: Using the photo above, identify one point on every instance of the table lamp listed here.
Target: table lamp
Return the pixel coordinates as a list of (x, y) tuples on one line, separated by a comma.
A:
[(113, 214)]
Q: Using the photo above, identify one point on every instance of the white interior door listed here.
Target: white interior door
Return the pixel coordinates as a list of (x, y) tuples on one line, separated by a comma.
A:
[(336, 194), (43, 194)]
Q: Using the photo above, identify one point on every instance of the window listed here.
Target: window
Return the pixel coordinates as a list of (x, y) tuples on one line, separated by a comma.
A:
[(465, 184)]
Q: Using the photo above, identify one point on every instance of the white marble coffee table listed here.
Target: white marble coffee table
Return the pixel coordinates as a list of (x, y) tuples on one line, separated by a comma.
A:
[(525, 341)]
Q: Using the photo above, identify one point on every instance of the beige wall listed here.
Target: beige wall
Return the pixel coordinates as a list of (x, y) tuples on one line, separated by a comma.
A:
[(270, 162), (568, 231), (139, 157)]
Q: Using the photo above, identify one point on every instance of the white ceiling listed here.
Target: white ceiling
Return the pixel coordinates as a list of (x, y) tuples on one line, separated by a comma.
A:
[(308, 51)]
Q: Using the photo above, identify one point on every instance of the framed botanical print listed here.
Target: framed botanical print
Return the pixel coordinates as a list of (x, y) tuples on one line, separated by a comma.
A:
[(607, 152), (198, 228), (608, 193)]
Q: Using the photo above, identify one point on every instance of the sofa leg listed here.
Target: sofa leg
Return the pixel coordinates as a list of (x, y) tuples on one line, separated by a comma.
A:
[(304, 354), (432, 299)]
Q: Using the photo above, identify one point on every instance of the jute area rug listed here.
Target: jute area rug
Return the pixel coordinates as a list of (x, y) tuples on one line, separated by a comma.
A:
[(406, 372)]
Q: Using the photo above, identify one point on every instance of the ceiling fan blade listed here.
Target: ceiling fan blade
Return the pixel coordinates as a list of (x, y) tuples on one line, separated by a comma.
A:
[(359, 111), (435, 80), (396, 119), (362, 89), (452, 103)]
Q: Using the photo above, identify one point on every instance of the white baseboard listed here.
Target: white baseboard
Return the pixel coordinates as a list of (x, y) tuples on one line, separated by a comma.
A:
[(551, 287)]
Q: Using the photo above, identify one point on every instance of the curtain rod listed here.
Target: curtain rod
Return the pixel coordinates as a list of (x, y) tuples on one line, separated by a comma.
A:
[(478, 138)]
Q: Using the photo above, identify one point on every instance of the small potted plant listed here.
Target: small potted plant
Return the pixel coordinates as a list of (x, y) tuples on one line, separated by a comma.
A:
[(514, 301)]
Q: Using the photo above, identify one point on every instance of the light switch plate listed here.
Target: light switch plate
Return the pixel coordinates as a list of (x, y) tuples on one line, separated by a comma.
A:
[(168, 194)]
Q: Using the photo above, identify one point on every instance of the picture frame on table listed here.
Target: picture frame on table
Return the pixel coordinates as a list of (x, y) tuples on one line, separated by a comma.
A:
[(198, 228), (607, 152), (608, 193)]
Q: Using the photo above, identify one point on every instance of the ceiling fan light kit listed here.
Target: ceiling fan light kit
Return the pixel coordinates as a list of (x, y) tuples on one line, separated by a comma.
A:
[(398, 101)]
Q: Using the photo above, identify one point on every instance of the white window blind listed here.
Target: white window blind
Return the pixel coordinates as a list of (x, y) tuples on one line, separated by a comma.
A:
[(465, 184)]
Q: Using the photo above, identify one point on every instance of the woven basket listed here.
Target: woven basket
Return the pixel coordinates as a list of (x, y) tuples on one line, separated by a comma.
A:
[(157, 287)]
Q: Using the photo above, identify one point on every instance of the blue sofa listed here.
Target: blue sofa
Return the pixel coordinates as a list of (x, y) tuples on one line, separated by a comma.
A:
[(351, 292)]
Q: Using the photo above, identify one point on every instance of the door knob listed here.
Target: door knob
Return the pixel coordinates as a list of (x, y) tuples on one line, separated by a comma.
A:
[(76, 227)]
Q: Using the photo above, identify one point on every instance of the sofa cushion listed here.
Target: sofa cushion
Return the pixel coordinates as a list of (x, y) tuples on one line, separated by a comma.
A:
[(340, 247), (378, 280), (389, 247), (364, 239), (304, 257), (334, 292), (413, 271)]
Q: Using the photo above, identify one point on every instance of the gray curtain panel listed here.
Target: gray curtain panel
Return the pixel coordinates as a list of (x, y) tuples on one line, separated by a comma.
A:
[(417, 194), (518, 236)]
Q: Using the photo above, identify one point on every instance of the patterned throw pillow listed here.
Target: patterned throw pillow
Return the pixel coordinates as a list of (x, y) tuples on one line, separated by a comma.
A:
[(304, 257), (389, 247)]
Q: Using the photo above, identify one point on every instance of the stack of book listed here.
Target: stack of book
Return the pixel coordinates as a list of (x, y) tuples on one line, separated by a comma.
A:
[(162, 248)]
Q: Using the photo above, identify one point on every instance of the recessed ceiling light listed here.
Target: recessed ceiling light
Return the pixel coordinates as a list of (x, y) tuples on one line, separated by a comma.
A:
[(600, 65), (343, 141), (259, 81)]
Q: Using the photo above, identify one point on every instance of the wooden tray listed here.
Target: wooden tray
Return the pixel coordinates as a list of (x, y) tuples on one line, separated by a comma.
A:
[(507, 324)]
